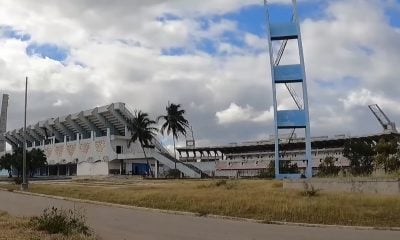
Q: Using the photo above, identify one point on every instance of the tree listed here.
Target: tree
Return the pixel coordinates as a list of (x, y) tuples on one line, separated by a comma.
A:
[(174, 122), (36, 158), (361, 156), (387, 155), (143, 131), (327, 167), (6, 162)]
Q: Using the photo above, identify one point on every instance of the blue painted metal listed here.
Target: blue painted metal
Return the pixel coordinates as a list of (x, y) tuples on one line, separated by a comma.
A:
[(288, 74), (291, 119), (282, 31)]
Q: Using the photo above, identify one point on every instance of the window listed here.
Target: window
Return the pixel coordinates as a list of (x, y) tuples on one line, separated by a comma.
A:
[(119, 149)]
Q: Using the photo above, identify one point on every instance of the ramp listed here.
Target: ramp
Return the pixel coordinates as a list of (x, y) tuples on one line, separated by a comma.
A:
[(163, 156)]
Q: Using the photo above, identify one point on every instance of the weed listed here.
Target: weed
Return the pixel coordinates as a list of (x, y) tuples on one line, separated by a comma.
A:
[(310, 190), (173, 173), (18, 181), (202, 213), (66, 222), (220, 183)]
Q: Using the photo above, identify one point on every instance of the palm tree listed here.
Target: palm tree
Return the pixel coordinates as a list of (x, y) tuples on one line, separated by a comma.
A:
[(174, 122), (143, 131)]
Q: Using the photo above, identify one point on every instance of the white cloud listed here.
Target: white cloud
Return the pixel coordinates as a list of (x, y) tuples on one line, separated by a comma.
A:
[(234, 114), (365, 97), (237, 114), (116, 54)]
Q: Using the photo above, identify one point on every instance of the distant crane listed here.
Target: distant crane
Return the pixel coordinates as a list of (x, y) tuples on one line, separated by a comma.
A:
[(388, 126), (190, 142)]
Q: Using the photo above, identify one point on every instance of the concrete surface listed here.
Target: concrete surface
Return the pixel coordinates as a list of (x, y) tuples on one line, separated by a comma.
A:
[(119, 223), (379, 186)]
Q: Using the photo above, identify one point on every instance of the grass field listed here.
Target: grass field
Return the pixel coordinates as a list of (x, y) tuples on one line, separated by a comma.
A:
[(20, 229), (257, 199)]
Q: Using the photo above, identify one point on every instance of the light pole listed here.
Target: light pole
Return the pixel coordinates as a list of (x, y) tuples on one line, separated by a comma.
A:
[(24, 185)]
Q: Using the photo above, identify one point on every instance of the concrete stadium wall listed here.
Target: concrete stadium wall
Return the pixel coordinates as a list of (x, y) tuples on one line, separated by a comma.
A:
[(91, 169), (380, 186)]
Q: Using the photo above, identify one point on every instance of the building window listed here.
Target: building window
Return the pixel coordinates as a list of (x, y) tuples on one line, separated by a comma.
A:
[(119, 149)]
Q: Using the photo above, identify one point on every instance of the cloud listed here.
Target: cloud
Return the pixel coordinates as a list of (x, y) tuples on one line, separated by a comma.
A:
[(146, 53), (365, 97), (237, 114)]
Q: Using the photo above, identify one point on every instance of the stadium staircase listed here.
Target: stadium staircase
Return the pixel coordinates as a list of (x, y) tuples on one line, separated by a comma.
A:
[(162, 155)]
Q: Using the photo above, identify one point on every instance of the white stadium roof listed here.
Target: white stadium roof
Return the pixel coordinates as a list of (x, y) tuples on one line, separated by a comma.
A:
[(98, 120)]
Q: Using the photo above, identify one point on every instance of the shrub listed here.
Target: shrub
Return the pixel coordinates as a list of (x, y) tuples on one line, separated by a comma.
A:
[(220, 183), (327, 167), (309, 190), (18, 180), (173, 173), (66, 222)]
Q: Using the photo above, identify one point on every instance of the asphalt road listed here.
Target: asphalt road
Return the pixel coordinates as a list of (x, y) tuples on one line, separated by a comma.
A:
[(120, 223)]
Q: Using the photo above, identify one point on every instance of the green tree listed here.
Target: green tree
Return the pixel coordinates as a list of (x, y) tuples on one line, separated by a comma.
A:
[(6, 162), (141, 127), (36, 158), (17, 160), (387, 155), (288, 167), (174, 122), (327, 167), (361, 156)]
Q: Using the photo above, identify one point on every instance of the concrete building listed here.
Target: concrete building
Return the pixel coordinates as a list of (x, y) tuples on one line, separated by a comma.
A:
[(250, 158), (94, 142)]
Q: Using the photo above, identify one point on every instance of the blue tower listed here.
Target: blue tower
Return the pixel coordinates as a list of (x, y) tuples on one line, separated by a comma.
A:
[(291, 77)]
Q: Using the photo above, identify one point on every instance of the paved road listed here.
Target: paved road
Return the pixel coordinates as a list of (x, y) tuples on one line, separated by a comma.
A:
[(119, 223)]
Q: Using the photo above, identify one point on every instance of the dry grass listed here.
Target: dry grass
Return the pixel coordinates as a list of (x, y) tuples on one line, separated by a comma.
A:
[(13, 228), (258, 199)]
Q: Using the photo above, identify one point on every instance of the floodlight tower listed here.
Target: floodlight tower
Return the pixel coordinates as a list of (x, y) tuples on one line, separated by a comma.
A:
[(289, 75)]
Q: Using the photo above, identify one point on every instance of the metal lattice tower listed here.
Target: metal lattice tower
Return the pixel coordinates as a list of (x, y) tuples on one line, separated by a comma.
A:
[(289, 75)]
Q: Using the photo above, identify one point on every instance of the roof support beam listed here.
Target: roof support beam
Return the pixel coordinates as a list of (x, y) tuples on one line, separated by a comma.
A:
[(89, 124), (15, 134), (28, 137), (76, 126), (34, 134), (12, 141), (54, 132), (64, 129), (104, 121), (117, 115)]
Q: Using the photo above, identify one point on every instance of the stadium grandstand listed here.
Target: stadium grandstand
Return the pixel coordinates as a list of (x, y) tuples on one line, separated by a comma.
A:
[(94, 142)]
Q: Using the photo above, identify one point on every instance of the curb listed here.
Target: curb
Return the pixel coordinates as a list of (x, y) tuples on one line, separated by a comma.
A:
[(213, 216)]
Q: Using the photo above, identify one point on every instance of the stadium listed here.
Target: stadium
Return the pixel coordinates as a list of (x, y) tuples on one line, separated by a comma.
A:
[(94, 142)]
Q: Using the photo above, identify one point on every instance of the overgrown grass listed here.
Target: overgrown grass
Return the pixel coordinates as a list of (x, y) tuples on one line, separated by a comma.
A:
[(22, 229), (258, 199)]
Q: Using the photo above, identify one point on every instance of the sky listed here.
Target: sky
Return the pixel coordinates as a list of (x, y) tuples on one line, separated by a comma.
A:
[(210, 56)]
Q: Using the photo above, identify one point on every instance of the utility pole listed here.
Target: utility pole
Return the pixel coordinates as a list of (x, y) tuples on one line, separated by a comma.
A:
[(24, 185)]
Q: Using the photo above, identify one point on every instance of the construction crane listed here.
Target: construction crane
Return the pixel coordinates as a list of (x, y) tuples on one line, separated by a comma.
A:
[(388, 126), (190, 142)]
